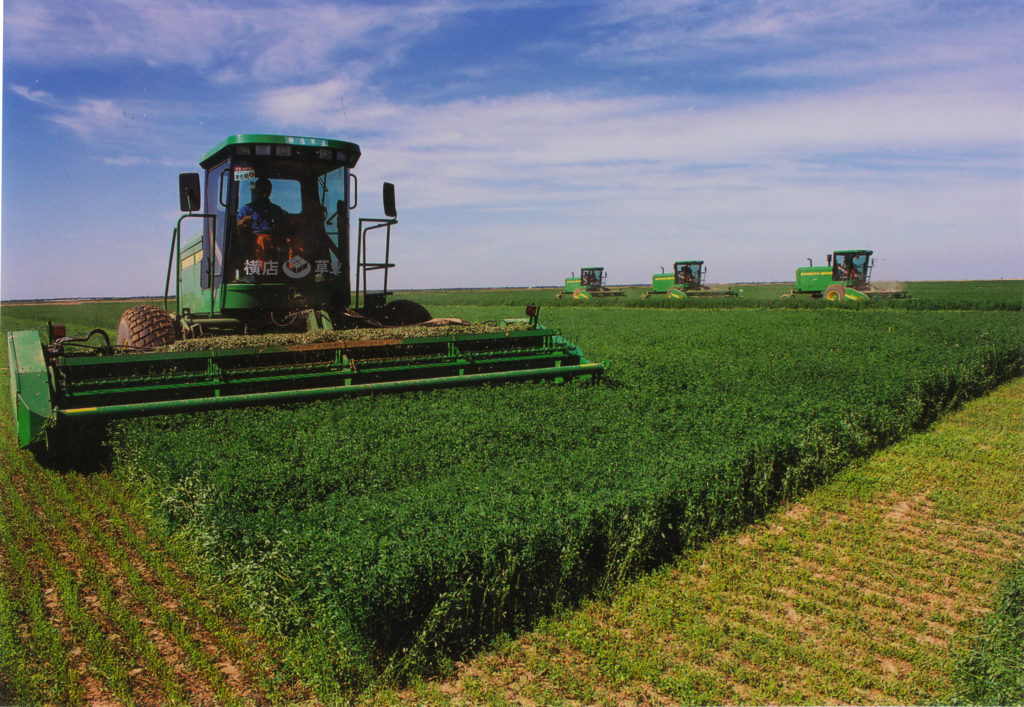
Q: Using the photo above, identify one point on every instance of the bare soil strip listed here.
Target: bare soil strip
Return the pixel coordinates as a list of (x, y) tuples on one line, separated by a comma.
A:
[(856, 595)]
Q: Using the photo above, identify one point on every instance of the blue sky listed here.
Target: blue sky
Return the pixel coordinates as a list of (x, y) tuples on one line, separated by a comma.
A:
[(528, 138)]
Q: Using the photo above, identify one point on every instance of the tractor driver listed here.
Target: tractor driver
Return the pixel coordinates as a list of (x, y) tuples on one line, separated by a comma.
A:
[(261, 217), (849, 268)]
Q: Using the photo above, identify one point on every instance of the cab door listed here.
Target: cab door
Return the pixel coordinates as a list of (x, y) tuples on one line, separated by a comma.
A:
[(218, 197)]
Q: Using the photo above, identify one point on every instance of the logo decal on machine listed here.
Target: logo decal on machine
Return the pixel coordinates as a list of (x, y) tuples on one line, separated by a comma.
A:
[(297, 266)]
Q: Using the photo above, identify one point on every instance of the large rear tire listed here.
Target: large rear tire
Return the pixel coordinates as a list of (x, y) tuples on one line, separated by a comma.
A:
[(146, 327), (403, 312), (835, 293)]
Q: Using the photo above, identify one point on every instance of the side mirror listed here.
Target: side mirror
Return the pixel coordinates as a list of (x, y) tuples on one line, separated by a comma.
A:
[(389, 200), (188, 191)]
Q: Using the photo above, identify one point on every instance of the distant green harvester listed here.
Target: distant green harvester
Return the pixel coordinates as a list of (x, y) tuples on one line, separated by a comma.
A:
[(231, 280), (686, 280), (847, 276), (589, 284)]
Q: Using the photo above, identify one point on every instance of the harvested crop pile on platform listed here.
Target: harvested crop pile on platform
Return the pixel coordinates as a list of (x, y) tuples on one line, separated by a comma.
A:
[(244, 341)]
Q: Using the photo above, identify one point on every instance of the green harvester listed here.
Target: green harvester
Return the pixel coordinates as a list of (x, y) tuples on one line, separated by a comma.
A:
[(245, 286), (686, 280), (590, 283), (847, 276)]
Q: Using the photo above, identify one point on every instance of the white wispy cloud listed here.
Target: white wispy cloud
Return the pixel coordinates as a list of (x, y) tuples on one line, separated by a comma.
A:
[(261, 41), (584, 177), (656, 30), (482, 149), (125, 131), (787, 19), (127, 160), (35, 95), (831, 39), (294, 105), (91, 115)]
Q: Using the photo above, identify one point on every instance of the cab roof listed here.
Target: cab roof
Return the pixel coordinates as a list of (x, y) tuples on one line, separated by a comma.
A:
[(259, 145)]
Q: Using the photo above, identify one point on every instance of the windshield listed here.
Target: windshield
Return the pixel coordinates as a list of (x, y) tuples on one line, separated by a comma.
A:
[(280, 226), (687, 273), (851, 266)]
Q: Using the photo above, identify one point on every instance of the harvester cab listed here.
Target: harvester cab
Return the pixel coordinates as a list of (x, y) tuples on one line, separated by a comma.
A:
[(274, 253), (685, 280), (688, 274), (847, 275), (266, 307), (590, 283), (591, 277), (852, 268)]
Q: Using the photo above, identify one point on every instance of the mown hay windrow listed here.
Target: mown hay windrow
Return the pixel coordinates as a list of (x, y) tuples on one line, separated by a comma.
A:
[(242, 341)]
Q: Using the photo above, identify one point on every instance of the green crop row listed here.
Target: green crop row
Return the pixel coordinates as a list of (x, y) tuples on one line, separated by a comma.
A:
[(407, 529)]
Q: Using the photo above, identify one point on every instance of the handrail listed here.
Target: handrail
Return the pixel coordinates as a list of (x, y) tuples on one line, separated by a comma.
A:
[(176, 262), (362, 264)]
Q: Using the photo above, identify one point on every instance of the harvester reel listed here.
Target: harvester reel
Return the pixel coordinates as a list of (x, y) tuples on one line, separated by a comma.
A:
[(146, 327), (835, 293), (581, 293)]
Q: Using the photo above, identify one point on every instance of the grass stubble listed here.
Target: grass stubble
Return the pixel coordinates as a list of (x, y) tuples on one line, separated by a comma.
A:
[(99, 605)]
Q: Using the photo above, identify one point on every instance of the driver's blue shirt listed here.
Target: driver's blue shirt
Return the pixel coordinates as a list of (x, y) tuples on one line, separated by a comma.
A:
[(264, 215)]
